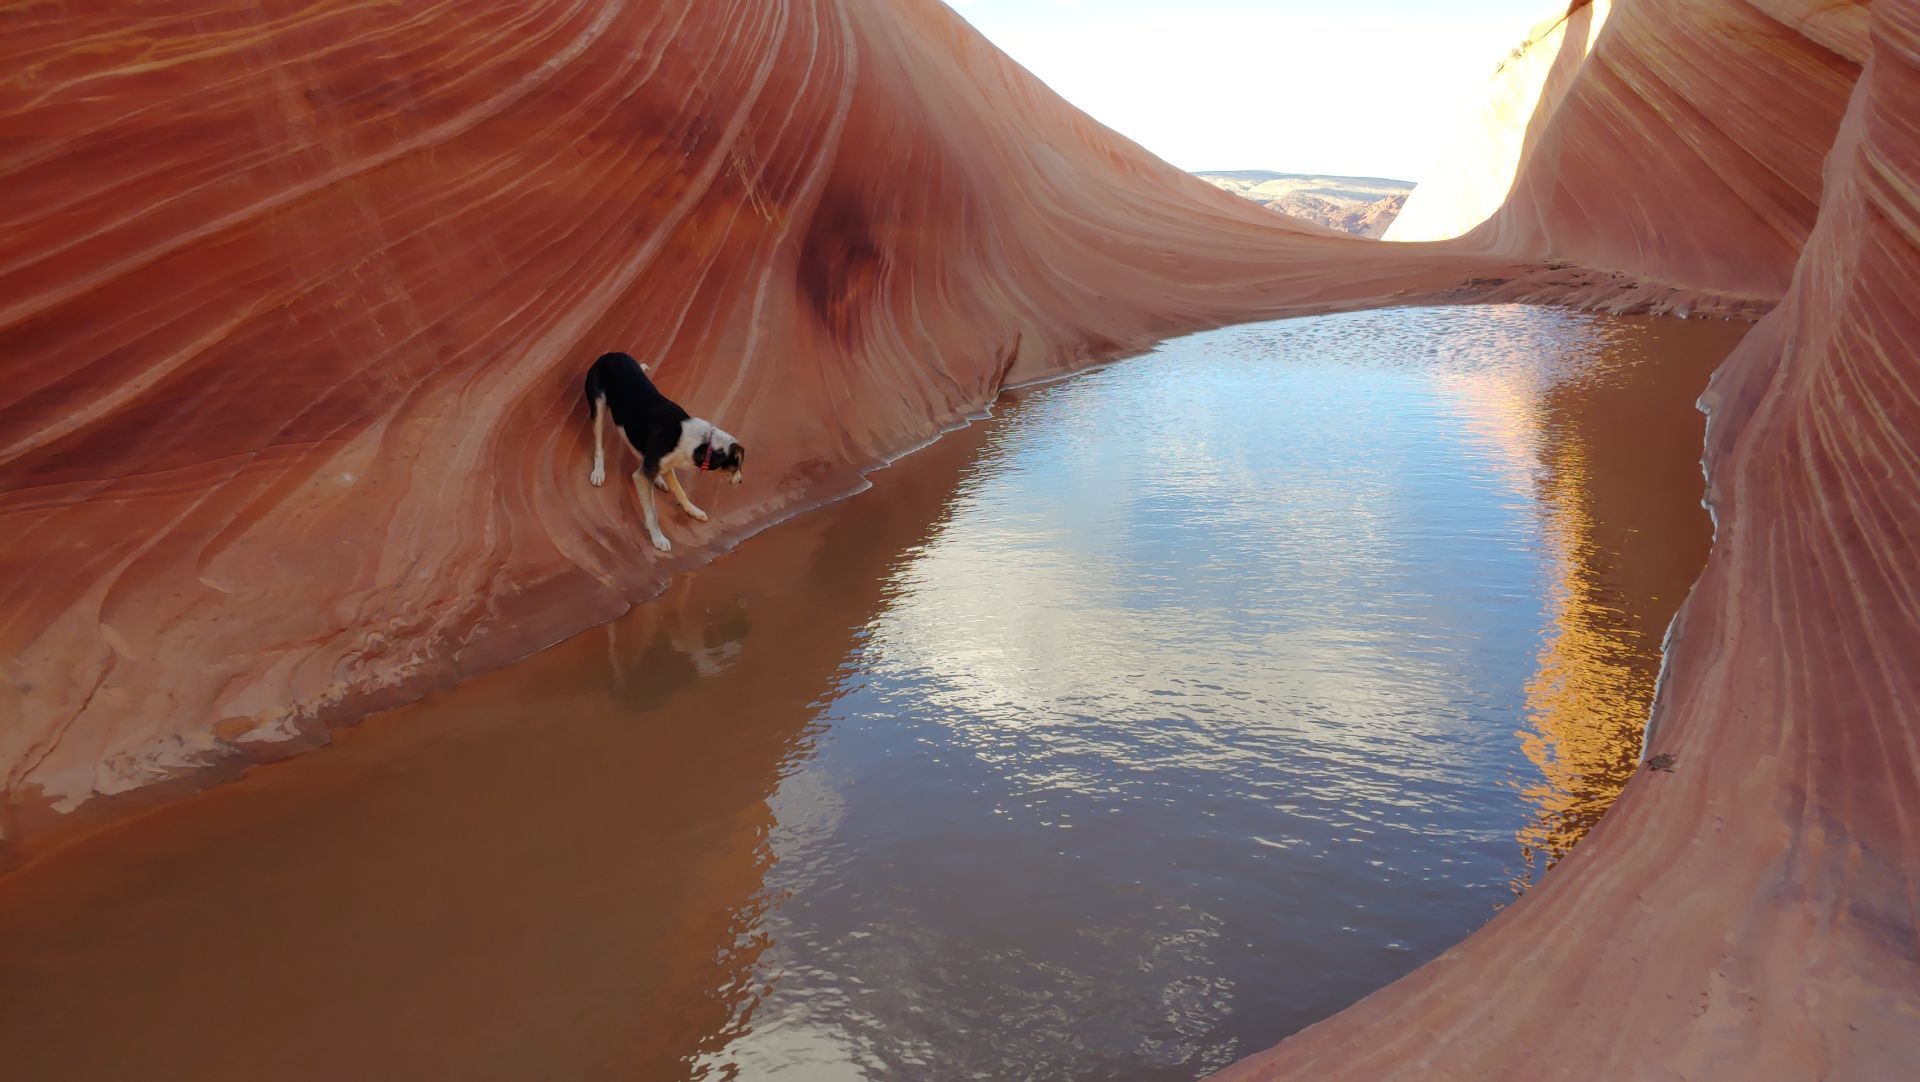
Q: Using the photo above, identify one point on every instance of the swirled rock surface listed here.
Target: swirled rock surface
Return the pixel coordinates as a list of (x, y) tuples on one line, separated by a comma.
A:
[(295, 298), (1747, 912), (1678, 140)]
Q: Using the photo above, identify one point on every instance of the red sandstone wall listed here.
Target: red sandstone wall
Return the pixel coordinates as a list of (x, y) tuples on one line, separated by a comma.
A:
[(1752, 914), (1685, 147), (295, 298)]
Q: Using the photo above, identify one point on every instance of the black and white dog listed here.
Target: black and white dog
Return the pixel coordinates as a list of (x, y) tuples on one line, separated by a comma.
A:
[(659, 432)]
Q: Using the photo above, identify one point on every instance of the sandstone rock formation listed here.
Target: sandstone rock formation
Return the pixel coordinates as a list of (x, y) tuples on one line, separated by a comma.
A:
[(1657, 139), (1749, 914), (294, 302)]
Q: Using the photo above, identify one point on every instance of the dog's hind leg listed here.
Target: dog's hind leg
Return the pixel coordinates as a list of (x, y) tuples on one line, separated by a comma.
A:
[(646, 508), (673, 485), (599, 407)]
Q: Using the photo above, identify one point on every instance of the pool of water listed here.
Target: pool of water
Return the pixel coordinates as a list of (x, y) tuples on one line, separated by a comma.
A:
[(1172, 709)]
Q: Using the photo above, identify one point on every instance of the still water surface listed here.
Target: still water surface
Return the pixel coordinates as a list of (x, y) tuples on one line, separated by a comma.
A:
[(1170, 710)]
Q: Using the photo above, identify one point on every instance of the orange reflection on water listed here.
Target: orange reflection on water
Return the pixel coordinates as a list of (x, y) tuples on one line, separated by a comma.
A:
[(1619, 487), (1604, 439)]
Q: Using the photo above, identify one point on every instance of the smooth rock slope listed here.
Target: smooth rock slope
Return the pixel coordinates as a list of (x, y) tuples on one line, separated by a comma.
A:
[(1677, 140)]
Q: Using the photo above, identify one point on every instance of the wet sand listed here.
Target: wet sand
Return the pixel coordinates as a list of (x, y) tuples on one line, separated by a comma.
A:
[(1034, 756)]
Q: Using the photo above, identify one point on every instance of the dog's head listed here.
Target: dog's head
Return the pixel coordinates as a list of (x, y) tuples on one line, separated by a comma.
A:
[(721, 452)]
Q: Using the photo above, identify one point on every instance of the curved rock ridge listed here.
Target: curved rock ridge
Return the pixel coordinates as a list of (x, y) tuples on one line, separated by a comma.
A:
[(295, 300), (1485, 151), (1673, 140), (1751, 912)]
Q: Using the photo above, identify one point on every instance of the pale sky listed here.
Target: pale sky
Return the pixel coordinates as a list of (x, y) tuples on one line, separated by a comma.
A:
[(1358, 87)]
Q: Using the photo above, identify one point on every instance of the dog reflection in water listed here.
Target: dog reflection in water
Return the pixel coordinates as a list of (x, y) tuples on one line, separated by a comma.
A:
[(674, 642)]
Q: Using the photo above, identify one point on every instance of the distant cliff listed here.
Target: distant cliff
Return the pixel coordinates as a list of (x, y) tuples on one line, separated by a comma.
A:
[(1363, 206)]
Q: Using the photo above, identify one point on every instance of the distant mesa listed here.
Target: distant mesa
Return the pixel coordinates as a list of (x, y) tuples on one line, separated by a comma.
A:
[(1363, 206)]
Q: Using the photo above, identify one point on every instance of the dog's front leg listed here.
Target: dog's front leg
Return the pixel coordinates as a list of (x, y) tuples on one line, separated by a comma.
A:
[(599, 474), (673, 485), (645, 490)]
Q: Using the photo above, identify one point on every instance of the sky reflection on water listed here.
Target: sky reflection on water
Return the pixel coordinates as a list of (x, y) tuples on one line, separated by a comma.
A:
[(1236, 681)]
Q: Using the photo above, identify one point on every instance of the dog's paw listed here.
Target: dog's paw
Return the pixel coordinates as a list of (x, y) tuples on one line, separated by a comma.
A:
[(598, 477), (660, 482), (660, 542), (696, 514)]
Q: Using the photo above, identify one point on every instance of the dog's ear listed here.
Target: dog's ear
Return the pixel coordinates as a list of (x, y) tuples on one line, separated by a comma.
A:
[(739, 456)]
